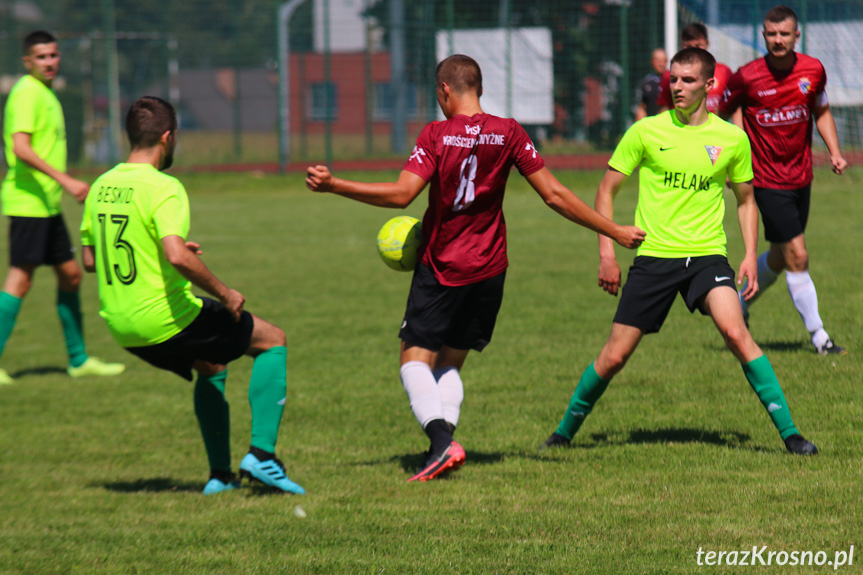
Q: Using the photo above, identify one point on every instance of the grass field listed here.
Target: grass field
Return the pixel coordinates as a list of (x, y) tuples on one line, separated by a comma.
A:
[(100, 476)]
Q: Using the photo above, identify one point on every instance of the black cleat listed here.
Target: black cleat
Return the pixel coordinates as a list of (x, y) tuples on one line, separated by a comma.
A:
[(554, 440), (798, 445), (830, 348)]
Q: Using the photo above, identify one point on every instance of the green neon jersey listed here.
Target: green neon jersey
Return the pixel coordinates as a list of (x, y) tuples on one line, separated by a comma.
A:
[(144, 299), (33, 108), (683, 170)]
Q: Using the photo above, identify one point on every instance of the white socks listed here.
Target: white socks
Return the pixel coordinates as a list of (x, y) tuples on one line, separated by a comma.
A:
[(422, 391), (805, 299), (451, 391), (435, 395), (803, 295)]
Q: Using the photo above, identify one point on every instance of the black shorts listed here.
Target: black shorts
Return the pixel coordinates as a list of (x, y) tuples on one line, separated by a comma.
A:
[(784, 212), (38, 241), (461, 317), (213, 336), (653, 283)]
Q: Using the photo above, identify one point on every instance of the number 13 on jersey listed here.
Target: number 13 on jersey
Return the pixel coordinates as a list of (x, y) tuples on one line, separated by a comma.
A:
[(120, 250)]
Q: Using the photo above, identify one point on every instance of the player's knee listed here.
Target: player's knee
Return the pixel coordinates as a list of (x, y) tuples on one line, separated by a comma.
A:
[(797, 259), (71, 282), (266, 336), (611, 362), (19, 288), (736, 339), (278, 338), (207, 369), (18, 282), (69, 277)]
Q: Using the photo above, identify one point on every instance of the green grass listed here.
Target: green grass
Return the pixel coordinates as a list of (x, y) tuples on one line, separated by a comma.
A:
[(104, 476)]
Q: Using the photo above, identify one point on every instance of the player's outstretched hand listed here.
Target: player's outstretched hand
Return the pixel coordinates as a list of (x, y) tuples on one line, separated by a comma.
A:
[(630, 236), (233, 302), (319, 179), (748, 270), (609, 276), (194, 247), (839, 164), (77, 188)]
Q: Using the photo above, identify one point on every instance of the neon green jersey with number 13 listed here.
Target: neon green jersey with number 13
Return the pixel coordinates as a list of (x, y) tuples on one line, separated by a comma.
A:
[(129, 210)]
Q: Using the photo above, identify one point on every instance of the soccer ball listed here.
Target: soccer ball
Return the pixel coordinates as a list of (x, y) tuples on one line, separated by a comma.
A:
[(398, 242)]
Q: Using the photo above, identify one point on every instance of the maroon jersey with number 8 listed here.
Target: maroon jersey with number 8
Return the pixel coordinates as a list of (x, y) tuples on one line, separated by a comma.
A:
[(466, 161), (777, 114)]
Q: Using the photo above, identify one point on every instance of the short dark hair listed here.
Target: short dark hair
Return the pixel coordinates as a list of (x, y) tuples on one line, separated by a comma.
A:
[(693, 55), (149, 118), (461, 73), (694, 31), (37, 37), (779, 14)]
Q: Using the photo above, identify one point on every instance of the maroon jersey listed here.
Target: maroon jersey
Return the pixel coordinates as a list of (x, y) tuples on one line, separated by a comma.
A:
[(721, 75), (777, 115), (467, 161)]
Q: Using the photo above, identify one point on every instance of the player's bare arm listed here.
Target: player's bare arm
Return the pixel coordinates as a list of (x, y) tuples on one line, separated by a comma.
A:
[(88, 259), (21, 147), (747, 217), (561, 199), (193, 269), (609, 269), (826, 125), (398, 194)]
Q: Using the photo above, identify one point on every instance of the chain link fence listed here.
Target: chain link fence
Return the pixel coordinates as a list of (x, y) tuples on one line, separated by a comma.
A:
[(268, 83)]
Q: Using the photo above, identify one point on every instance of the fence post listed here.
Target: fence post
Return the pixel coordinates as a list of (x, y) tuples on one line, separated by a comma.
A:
[(804, 20), (397, 75), (285, 12), (624, 64), (328, 95), (370, 89), (110, 28), (236, 110)]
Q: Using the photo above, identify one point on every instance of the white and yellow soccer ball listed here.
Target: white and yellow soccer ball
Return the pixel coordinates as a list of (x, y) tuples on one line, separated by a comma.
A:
[(399, 241)]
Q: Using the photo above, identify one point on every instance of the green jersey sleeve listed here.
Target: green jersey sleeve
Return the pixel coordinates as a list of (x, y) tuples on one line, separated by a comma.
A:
[(171, 215), (740, 168), (21, 112), (630, 151)]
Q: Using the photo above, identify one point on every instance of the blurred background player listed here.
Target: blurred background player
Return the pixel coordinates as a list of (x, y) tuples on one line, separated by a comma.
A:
[(34, 133), (648, 92), (457, 287), (145, 273), (780, 94), (684, 158), (695, 36)]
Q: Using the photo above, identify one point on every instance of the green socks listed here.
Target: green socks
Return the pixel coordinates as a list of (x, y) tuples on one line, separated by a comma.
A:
[(9, 308), (758, 372), (69, 310), (267, 390), (266, 396), (588, 391), (214, 419), (763, 380)]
